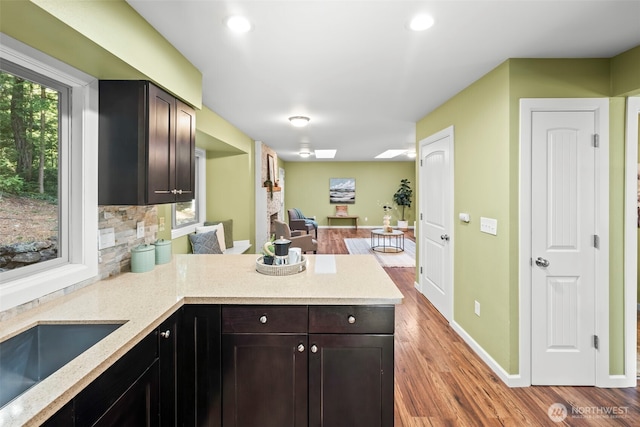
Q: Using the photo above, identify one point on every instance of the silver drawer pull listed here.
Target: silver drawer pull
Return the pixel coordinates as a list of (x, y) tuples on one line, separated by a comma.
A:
[(263, 319), (300, 348), (165, 334), (314, 348), (351, 319)]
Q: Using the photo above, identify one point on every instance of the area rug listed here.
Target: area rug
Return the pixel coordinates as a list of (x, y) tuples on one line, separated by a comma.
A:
[(399, 259)]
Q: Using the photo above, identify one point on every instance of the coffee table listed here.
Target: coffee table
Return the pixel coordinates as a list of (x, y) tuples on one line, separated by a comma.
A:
[(387, 241)]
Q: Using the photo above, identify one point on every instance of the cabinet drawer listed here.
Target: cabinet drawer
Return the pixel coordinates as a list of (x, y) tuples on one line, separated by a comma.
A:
[(352, 319), (264, 319)]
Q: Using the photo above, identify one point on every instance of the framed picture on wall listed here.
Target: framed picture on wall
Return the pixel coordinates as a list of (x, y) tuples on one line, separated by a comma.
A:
[(342, 191), (271, 169)]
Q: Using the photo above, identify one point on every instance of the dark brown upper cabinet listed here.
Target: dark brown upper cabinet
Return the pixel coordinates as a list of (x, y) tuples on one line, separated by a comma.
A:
[(146, 145)]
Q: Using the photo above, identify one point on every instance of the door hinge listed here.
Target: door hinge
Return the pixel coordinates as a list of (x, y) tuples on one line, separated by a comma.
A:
[(596, 342), (420, 216), (596, 241), (596, 140), (420, 162), (420, 269)]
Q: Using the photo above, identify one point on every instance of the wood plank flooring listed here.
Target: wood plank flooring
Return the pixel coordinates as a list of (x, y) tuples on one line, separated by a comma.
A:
[(440, 381)]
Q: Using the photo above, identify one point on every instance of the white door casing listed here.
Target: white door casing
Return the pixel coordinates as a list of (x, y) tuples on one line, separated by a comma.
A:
[(436, 232), (554, 278), (563, 248)]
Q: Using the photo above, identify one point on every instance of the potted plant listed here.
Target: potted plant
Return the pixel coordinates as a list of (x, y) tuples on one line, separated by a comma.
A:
[(402, 198)]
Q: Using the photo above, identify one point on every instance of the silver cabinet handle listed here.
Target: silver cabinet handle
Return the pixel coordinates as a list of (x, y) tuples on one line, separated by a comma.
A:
[(166, 334), (314, 348), (444, 237), (351, 319), (263, 319), (541, 262), (300, 348)]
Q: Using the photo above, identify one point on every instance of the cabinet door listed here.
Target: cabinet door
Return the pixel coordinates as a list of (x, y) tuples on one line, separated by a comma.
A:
[(100, 397), (169, 336), (351, 380), (264, 380), (138, 406), (201, 366), (161, 150), (185, 152)]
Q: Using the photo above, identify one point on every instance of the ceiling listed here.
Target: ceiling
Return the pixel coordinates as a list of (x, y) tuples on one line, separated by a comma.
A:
[(355, 69)]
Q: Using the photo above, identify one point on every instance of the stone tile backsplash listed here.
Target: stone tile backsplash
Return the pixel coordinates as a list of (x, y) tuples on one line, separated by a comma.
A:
[(124, 220)]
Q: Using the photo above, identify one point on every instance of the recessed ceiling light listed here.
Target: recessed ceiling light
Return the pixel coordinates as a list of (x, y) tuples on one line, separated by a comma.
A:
[(325, 154), (299, 121), (389, 154), (421, 23), (238, 24)]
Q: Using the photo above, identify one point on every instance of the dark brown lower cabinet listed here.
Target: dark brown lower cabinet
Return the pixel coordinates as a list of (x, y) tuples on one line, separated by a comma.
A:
[(328, 366), (200, 361), (351, 380), (265, 380)]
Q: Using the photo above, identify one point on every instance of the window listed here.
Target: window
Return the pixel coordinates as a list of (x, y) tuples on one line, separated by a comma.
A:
[(69, 102), (34, 116), (188, 215)]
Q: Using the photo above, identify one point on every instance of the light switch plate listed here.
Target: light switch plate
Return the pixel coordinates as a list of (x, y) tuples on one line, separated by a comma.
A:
[(489, 225), (140, 230), (106, 238)]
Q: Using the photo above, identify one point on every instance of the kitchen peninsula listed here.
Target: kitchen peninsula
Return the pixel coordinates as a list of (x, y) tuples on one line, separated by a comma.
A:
[(339, 310)]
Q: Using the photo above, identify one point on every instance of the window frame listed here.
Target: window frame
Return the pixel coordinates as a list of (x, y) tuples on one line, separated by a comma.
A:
[(79, 196), (201, 199)]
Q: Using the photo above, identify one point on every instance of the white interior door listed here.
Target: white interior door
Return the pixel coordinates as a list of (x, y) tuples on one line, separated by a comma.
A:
[(563, 248), (436, 275)]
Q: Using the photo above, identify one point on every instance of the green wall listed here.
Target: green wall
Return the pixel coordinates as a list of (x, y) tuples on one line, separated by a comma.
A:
[(106, 39), (486, 117), (307, 188), (482, 174)]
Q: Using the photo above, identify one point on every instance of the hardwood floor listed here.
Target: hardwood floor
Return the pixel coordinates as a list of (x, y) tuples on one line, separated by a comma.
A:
[(440, 381)]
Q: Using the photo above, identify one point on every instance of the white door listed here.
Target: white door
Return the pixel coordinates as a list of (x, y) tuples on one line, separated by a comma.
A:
[(563, 248), (435, 223)]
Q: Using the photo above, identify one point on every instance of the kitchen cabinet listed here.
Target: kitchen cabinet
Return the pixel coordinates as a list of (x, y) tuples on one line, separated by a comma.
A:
[(201, 384), (264, 359), (318, 365), (146, 145), (125, 394), (169, 336)]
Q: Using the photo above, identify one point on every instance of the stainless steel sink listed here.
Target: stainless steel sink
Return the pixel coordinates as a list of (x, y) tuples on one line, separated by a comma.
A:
[(33, 355)]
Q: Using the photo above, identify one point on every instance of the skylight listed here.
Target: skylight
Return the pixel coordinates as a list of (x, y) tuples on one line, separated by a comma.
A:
[(325, 154), (389, 154)]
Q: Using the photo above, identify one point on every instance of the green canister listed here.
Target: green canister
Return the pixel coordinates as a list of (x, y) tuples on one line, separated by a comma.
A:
[(142, 258), (163, 251)]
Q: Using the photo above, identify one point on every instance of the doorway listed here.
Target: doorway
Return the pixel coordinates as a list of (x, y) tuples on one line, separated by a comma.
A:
[(436, 231)]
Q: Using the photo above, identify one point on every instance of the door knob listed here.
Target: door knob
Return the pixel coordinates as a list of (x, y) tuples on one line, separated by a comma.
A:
[(165, 334), (314, 348), (541, 262), (444, 237), (300, 348), (263, 319)]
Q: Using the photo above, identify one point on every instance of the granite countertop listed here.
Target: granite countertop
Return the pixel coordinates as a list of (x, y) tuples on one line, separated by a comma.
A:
[(141, 301)]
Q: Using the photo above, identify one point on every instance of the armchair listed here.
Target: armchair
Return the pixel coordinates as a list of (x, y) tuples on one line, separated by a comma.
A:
[(297, 221), (305, 241)]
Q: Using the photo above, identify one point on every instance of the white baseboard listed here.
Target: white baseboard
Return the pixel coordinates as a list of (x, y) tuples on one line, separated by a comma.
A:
[(511, 380)]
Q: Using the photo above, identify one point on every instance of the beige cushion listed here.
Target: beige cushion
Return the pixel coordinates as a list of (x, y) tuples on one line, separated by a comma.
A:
[(228, 230), (219, 228)]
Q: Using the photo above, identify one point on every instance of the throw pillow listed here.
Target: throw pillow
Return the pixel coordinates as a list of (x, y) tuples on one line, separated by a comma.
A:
[(220, 233), (228, 230), (205, 243)]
